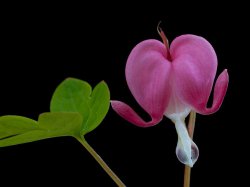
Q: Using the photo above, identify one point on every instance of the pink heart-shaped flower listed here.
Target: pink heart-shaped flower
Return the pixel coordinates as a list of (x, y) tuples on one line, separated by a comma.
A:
[(172, 82)]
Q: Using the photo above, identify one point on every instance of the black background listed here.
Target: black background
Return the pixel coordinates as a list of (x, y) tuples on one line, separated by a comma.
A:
[(43, 44)]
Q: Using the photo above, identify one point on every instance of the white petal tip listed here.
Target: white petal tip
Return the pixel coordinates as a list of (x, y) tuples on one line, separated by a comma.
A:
[(184, 157)]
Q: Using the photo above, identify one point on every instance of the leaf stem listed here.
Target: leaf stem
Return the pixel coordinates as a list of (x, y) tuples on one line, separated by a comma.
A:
[(101, 162), (190, 127)]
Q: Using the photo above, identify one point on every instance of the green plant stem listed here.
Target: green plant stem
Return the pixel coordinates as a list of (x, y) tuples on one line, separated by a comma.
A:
[(101, 162), (190, 127)]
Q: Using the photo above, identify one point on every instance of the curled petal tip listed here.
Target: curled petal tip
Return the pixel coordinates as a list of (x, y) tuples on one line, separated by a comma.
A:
[(225, 76), (220, 90), (130, 115)]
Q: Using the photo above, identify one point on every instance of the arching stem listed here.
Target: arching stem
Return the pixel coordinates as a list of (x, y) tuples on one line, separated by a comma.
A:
[(190, 127)]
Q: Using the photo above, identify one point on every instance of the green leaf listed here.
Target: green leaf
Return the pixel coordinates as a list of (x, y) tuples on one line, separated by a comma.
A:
[(49, 125), (75, 111), (74, 95), (71, 96), (61, 123), (13, 125), (99, 106), (29, 136)]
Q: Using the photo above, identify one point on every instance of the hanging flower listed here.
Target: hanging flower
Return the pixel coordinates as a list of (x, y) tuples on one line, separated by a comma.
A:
[(172, 81)]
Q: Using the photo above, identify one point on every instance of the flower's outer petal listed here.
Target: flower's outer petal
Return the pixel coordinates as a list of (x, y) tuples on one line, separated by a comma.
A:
[(147, 75), (194, 69), (220, 90), (129, 114)]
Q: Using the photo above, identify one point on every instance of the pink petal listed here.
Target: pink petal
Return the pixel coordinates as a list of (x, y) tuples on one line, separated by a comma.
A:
[(194, 69), (220, 90), (147, 74), (129, 114)]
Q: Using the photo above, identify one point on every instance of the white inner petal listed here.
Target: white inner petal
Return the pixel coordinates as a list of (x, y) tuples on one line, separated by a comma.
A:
[(186, 150)]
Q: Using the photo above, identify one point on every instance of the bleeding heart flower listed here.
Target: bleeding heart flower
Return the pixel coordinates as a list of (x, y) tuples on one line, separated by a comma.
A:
[(172, 81)]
